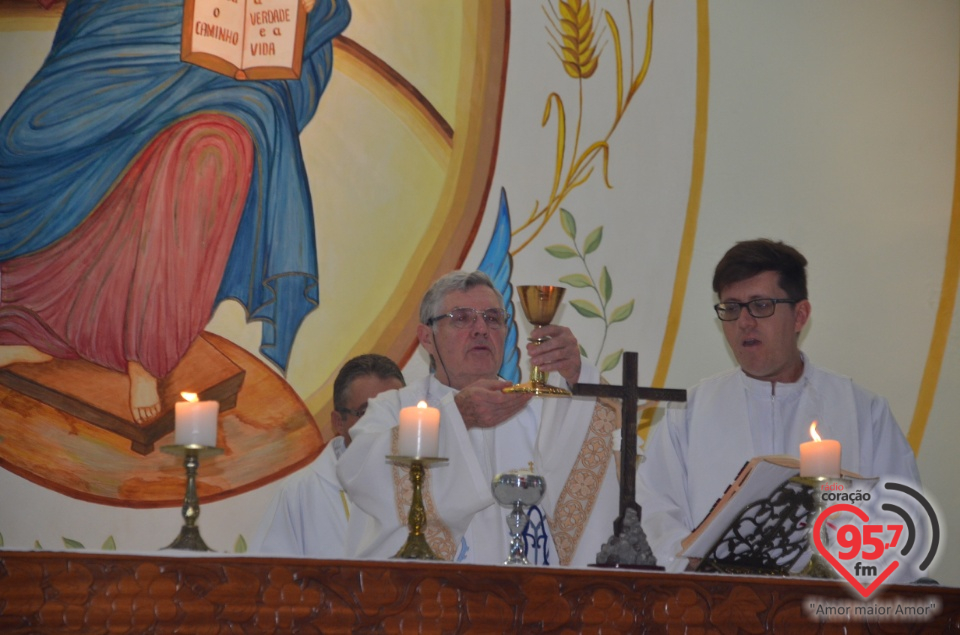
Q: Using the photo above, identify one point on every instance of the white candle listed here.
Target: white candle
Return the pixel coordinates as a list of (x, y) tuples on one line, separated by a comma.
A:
[(419, 431), (196, 421), (819, 457)]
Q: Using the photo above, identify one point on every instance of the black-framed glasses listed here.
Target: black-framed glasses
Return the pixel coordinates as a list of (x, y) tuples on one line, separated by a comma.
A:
[(359, 412), (759, 308), (464, 317)]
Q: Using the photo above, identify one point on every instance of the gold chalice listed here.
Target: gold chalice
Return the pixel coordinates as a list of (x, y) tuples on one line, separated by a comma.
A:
[(540, 303)]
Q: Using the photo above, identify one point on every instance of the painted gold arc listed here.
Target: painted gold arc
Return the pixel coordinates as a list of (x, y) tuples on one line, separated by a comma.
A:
[(407, 103), (466, 145)]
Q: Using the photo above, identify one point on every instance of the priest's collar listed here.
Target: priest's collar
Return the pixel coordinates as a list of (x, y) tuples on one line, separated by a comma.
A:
[(764, 388)]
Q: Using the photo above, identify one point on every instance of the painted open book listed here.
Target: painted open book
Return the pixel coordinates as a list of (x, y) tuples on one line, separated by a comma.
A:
[(245, 39)]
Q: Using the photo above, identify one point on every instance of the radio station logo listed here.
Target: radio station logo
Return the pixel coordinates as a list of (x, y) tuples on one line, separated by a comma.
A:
[(867, 540)]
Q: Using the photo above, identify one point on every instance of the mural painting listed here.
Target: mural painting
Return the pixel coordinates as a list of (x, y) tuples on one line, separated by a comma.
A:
[(181, 189)]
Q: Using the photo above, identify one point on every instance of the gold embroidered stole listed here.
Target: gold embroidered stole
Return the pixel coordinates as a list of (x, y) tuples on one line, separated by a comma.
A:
[(582, 488)]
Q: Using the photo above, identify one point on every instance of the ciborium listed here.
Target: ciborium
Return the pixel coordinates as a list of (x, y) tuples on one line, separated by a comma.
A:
[(516, 489), (540, 303)]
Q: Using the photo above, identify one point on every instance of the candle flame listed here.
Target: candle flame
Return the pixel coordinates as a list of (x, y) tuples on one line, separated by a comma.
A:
[(813, 432), (190, 396), (422, 404)]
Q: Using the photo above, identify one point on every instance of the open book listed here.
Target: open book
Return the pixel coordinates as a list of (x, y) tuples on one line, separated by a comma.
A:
[(245, 39), (758, 479)]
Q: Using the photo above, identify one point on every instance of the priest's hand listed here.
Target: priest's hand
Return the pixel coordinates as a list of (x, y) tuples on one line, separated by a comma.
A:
[(561, 352), (483, 404)]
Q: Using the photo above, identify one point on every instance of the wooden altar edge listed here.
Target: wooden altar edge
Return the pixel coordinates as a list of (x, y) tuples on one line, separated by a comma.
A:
[(85, 591)]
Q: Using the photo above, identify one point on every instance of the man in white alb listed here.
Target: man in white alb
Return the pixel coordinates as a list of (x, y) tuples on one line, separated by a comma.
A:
[(763, 407), (312, 516), (483, 432)]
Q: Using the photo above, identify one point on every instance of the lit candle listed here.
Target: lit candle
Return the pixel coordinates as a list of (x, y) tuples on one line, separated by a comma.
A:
[(419, 431), (819, 457), (196, 421)]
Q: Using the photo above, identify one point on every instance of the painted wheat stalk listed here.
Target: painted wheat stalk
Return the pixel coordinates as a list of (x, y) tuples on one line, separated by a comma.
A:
[(575, 42), (575, 39)]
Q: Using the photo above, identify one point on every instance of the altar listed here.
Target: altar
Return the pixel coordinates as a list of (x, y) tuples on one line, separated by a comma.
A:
[(100, 592)]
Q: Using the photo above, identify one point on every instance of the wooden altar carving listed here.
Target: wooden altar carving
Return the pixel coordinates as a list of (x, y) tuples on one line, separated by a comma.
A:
[(83, 592)]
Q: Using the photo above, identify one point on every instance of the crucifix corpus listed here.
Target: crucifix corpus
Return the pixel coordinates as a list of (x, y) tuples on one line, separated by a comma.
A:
[(628, 541)]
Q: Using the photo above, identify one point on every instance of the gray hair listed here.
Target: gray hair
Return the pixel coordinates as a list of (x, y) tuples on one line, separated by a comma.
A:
[(361, 366), (453, 282)]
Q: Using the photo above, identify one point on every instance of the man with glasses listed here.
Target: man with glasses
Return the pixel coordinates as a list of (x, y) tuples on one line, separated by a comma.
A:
[(484, 432), (311, 516), (763, 407)]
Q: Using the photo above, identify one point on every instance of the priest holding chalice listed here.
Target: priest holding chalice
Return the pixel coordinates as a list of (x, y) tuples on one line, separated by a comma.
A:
[(563, 444)]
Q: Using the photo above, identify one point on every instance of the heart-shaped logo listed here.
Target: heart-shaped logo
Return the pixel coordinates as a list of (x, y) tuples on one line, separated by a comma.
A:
[(817, 539)]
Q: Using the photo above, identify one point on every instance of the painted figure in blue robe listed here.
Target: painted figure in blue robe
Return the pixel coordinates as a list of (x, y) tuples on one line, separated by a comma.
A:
[(138, 191)]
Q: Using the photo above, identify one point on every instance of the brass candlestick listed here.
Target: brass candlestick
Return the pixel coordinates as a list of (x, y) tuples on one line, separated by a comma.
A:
[(817, 566), (189, 537), (416, 547), (540, 304)]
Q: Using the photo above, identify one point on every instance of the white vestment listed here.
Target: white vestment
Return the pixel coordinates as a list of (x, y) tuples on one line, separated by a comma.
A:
[(568, 440), (698, 450), (311, 516)]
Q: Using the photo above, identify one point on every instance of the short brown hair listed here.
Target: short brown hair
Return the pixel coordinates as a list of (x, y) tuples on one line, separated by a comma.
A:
[(749, 258), (361, 366)]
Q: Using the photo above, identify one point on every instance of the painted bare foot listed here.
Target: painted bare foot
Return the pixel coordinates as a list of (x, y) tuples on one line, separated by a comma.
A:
[(144, 398), (21, 354)]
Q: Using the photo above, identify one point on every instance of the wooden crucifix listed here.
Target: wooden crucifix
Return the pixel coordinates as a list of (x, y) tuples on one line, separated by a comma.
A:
[(629, 393)]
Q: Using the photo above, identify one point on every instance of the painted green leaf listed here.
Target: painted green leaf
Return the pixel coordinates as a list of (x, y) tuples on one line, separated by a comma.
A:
[(568, 223), (606, 285), (586, 309), (593, 240), (1, 535), (109, 544), (561, 251), (70, 543), (583, 353), (577, 280), (37, 545), (241, 545), (610, 361), (622, 312)]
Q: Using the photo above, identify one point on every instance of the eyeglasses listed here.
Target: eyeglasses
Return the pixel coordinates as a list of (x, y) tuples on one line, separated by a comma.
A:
[(462, 318), (358, 413), (759, 308)]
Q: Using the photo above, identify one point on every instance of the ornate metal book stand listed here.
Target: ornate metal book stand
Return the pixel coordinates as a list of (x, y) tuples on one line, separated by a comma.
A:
[(771, 535)]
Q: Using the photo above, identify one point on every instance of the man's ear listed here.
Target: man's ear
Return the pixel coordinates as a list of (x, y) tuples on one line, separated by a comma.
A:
[(339, 426), (425, 337), (801, 315)]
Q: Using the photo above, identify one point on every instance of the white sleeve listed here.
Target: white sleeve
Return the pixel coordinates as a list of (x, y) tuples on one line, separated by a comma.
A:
[(367, 477), (884, 450), (662, 489), (277, 533)]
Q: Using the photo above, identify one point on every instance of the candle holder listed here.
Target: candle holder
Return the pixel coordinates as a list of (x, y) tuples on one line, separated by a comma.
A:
[(818, 567), (416, 547), (189, 537)]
